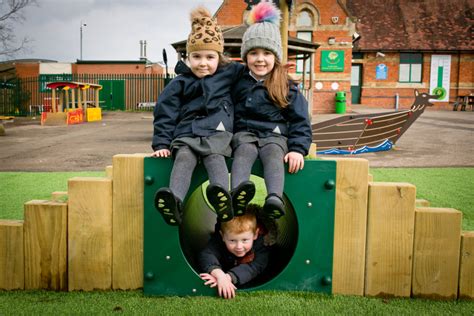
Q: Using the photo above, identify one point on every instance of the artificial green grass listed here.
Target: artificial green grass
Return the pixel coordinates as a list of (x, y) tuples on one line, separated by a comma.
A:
[(16, 188), (246, 303), (443, 187)]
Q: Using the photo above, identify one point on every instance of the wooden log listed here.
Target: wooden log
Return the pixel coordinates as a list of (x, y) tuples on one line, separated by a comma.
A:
[(45, 245), (127, 242), (466, 270), (59, 196), (422, 203), (436, 253), (350, 226), (109, 172), (12, 271), (391, 218), (90, 233)]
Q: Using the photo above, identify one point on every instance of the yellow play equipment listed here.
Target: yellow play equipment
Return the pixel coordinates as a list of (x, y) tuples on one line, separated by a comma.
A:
[(64, 108)]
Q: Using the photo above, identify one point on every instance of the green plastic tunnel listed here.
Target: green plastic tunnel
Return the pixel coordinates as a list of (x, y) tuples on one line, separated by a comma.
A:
[(198, 224), (300, 260)]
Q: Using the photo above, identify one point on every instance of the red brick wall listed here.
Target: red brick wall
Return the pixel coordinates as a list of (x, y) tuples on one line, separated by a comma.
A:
[(381, 93), (116, 69), (27, 69), (231, 12)]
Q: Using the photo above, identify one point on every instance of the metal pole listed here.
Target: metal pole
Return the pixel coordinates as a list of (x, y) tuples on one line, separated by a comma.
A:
[(284, 29), (82, 24)]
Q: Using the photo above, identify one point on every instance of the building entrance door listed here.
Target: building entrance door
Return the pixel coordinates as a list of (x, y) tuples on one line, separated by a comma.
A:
[(356, 83)]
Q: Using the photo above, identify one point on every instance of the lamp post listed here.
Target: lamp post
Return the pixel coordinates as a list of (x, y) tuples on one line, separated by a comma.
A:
[(82, 24)]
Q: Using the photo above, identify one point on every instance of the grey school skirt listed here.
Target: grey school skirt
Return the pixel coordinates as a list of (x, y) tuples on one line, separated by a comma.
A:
[(218, 143), (248, 137)]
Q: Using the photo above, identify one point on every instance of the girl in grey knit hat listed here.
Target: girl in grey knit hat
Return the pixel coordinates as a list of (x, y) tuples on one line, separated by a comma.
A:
[(271, 116)]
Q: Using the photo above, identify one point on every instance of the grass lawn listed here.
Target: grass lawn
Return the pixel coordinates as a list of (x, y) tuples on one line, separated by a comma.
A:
[(443, 187)]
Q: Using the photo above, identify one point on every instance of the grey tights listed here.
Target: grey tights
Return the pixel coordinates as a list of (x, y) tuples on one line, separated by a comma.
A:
[(183, 167), (273, 167)]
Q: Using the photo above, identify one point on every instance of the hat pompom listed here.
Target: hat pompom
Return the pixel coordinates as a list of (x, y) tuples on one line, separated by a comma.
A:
[(264, 12), (200, 12)]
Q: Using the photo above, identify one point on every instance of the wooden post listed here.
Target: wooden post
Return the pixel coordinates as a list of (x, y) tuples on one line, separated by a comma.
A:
[(45, 245), (285, 17), (422, 203), (128, 221), (59, 196), (12, 271), (436, 253), (79, 97), (90, 233), (350, 226), (73, 98), (66, 92), (390, 225), (109, 171), (466, 271), (53, 100), (96, 101)]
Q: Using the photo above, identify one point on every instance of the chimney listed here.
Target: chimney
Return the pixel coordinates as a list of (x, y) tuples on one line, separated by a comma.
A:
[(141, 49), (144, 49)]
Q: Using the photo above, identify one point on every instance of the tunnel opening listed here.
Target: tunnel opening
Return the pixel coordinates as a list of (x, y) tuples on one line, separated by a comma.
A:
[(198, 225)]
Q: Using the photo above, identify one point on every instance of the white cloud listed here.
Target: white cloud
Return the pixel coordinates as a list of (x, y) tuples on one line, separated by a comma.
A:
[(113, 31)]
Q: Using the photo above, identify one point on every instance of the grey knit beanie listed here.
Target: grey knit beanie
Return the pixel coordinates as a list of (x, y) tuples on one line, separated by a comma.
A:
[(264, 30)]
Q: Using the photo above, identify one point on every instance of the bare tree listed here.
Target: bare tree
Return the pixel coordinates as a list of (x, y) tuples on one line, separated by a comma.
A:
[(11, 13)]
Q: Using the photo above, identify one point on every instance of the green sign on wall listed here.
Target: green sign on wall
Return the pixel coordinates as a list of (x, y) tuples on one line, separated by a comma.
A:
[(332, 60)]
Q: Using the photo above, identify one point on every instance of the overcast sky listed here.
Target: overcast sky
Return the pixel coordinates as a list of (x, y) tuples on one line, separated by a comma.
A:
[(114, 28)]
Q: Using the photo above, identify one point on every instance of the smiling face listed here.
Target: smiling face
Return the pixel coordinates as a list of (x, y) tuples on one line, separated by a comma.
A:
[(260, 62), (239, 244), (203, 62)]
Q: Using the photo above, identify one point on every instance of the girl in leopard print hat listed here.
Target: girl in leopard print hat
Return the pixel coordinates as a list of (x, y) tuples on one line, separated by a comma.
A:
[(193, 121)]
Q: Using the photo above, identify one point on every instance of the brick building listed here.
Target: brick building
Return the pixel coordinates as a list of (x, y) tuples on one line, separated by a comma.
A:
[(378, 52)]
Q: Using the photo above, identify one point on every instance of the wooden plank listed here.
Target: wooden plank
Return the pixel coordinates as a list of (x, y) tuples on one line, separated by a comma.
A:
[(422, 203), (466, 270), (90, 233), (350, 226), (128, 221), (390, 225), (45, 245), (436, 253), (12, 271), (109, 171)]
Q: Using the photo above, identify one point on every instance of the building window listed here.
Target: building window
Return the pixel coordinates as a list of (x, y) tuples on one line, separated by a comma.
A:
[(304, 19), (410, 67), (307, 36), (357, 55)]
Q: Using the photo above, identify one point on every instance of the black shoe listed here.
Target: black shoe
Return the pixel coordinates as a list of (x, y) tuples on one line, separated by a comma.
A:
[(241, 197), (221, 201), (273, 208), (169, 206)]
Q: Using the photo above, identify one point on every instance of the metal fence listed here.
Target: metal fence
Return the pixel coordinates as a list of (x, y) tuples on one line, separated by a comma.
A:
[(27, 96)]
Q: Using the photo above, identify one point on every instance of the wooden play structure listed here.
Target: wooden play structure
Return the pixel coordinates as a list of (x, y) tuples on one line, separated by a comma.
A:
[(70, 104), (385, 241)]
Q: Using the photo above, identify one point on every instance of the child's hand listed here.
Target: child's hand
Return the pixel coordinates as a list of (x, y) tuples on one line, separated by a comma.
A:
[(295, 161), (225, 287), (161, 153), (210, 280)]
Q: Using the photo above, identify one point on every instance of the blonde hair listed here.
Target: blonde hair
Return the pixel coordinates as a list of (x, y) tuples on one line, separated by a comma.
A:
[(241, 224)]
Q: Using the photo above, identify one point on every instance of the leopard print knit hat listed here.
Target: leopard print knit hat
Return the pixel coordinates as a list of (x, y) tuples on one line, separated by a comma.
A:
[(205, 33)]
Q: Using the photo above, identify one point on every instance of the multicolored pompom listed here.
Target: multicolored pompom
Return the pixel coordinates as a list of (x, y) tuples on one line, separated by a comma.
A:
[(264, 12)]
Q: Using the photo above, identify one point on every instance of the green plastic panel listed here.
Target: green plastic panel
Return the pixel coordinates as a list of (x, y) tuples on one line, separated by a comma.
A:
[(306, 233)]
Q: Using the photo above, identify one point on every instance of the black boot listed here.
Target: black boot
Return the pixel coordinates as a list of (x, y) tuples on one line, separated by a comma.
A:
[(169, 206), (221, 201), (241, 197), (274, 206)]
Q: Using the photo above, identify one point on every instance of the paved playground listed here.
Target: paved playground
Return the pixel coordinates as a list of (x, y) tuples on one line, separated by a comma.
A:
[(436, 139)]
